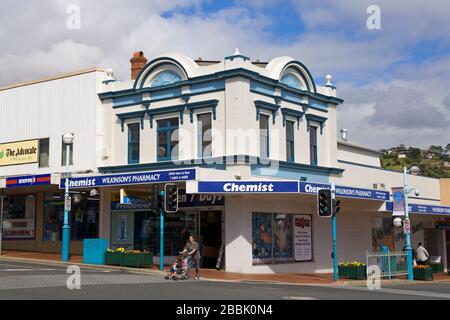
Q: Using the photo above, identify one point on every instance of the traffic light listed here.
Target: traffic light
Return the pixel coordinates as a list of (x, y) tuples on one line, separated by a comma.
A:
[(336, 206), (171, 197), (325, 203), (155, 198)]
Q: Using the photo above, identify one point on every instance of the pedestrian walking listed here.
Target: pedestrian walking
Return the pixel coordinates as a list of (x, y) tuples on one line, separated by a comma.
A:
[(194, 257)]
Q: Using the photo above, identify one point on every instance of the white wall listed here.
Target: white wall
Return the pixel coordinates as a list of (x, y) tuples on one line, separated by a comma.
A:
[(48, 110)]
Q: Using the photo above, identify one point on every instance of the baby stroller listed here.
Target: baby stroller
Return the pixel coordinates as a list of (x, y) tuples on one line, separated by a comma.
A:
[(178, 270)]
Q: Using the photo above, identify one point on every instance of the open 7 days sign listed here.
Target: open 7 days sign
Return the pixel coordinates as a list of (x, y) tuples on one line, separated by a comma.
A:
[(129, 179)]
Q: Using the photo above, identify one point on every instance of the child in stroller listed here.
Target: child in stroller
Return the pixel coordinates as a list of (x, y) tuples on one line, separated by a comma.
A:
[(178, 269)]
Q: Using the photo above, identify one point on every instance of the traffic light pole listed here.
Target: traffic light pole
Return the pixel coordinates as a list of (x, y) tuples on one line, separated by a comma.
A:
[(161, 239), (333, 226)]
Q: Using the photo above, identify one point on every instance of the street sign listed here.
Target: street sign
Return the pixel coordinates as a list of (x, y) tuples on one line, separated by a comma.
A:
[(406, 226), (68, 204)]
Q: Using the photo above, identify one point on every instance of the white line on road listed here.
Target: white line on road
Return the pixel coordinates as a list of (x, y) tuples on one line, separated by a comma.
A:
[(21, 270), (399, 292)]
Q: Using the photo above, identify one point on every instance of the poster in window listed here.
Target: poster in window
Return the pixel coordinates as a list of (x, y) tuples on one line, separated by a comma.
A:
[(262, 237), (303, 237), (283, 238), (122, 226)]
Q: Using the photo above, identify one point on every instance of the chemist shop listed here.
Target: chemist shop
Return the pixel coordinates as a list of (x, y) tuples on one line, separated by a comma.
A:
[(130, 222), (33, 214)]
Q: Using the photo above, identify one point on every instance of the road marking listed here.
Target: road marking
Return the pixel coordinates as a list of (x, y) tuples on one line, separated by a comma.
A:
[(299, 298), (21, 270), (428, 294)]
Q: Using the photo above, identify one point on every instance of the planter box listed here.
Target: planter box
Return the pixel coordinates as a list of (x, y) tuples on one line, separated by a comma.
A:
[(437, 267), (423, 274), (357, 273), (113, 258), (137, 260)]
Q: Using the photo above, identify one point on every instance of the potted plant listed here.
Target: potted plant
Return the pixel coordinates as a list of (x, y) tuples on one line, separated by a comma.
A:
[(137, 259), (114, 257), (352, 270), (423, 272), (437, 267)]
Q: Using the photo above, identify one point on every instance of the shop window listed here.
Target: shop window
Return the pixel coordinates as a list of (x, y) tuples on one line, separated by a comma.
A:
[(44, 148), (290, 141), (313, 145), (264, 136), (83, 218), (19, 215), (273, 240), (133, 143), (167, 139), (204, 125), (64, 154)]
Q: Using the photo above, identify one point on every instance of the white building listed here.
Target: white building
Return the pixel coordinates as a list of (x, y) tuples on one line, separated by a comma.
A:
[(249, 145)]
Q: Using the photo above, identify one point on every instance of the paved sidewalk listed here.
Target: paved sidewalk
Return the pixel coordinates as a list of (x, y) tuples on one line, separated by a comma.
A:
[(210, 274)]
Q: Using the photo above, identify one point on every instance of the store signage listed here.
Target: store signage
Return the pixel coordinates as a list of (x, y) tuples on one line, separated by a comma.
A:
[(345, 192), (248, 187), (303, 238), (28, 181), (141, 201), (130, 179), (398, 195), (21, 152), (18, 229), (425, 209)]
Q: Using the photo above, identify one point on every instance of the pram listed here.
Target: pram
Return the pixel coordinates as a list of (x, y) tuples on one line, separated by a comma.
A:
[(178, 270)]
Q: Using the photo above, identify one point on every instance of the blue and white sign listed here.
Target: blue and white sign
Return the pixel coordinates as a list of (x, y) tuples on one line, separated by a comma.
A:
[(130, 179), (248, 187), (345, 192), (425, 209)]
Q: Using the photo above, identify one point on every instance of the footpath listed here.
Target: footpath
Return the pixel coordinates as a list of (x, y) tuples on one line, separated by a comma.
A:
[(206, 274)]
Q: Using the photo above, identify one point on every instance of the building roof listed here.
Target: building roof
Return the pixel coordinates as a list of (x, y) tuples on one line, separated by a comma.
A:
[(355, 145), (51, 78)]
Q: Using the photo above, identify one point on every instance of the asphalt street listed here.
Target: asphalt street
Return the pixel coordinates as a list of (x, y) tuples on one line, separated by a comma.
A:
[(30, 281)]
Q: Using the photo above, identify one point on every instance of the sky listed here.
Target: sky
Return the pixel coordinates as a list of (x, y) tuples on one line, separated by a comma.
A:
[(394, 79)]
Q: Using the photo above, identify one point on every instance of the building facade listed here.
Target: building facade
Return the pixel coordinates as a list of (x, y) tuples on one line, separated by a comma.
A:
[(249, 145)]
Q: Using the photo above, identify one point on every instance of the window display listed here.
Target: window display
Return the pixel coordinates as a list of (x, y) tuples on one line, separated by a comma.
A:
[(83, 217), (273, 238), (19, 214)]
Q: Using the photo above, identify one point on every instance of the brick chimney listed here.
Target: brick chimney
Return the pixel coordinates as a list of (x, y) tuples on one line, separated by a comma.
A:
[(138, 62)]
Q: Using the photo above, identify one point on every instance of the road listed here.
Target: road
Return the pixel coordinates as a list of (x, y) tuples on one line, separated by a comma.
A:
[(21, 280)]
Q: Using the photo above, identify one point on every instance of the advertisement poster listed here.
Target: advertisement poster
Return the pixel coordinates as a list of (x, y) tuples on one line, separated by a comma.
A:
[(382, 234), (21, 152), (18, 229), (283, 248), (122, 227), (398, 196), (303, 237), (262, 238)]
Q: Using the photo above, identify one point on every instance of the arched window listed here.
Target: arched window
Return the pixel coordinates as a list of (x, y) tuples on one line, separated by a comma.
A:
[(293, 81), (165, 78)]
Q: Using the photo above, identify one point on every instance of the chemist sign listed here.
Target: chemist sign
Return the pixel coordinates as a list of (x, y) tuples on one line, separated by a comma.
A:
[(129, 179)]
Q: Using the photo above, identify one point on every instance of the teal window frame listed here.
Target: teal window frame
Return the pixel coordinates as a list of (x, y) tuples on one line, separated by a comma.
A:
[(133, 141), (166, 126), (265, 154), (201, 136), (290, 142), (313, 145)]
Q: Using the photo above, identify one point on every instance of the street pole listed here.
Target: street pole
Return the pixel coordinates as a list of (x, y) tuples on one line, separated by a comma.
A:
[(1, 220), (408, 233), (161, 239), (333, 225), (66, 227)]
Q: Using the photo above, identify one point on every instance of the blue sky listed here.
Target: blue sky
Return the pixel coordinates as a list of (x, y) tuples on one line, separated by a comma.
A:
[(394, 80)]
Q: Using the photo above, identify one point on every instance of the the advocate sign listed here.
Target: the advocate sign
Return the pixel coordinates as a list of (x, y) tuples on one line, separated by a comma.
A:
[(20, 152)]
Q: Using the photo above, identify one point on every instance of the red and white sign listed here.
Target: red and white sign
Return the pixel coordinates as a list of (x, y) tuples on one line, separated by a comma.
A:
[(68, 204), (406, 226)]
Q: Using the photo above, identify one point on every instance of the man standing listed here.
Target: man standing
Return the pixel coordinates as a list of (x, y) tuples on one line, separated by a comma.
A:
[(194, 258), (421, 254)]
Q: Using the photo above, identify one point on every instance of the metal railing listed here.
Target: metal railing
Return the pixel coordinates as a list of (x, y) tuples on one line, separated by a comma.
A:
[(391, 264)]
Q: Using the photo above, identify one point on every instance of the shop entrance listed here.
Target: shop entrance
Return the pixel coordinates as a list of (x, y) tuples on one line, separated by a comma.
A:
[(139, 230)]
